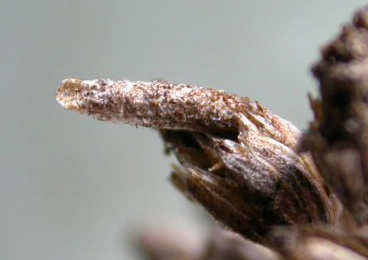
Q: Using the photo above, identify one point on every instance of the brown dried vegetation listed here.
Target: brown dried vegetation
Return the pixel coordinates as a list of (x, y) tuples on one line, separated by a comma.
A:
[(301, 196)]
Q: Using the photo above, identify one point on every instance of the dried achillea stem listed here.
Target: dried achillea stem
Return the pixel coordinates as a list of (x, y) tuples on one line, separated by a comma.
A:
[(237, 157)]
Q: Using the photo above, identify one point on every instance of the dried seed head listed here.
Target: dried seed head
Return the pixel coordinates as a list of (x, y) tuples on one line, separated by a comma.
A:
[(237, 157), (251, 184), (337, 137)]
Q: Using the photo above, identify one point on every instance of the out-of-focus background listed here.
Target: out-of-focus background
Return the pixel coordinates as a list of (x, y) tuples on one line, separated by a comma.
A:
[(75, 188)]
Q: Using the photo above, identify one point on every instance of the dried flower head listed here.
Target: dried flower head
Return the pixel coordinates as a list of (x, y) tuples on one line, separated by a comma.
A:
[(237, 157), (337, 137)]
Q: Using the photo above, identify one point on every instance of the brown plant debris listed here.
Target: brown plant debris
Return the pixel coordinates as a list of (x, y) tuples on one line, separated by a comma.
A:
[(237, 157), (337, 137), (163, 105)]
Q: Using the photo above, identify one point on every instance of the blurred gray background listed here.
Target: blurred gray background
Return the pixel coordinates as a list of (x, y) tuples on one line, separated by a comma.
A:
[(75, 188)]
